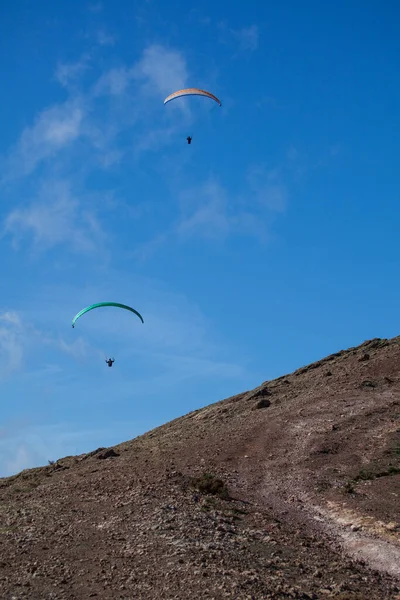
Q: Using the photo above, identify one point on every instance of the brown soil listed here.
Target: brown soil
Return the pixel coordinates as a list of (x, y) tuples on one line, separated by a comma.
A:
[(301, 499)]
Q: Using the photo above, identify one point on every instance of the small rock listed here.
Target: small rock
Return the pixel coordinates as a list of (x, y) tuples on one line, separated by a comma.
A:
[(262, 403), (368, 383), (109, 453)]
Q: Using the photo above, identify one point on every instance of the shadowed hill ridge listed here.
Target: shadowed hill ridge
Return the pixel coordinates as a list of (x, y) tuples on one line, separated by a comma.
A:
[(290, 490)]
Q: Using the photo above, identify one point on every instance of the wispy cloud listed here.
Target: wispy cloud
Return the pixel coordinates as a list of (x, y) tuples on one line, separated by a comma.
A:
[(267, 188), (300, 163), (163, 70), (105, 39), (146, 250), (95, 7), (173, 324), (182, 367), (243, 40), (21, 458), (205, 211), (26, 445), (177, 344), (114, 82), (55, 128), (19, 336), (211, 211), (12, 343), (247, 38), (95, 115), (157, 73), (55, 164), (55, 218), (11, 318), (77, 349), (68, 74), (93, 124)]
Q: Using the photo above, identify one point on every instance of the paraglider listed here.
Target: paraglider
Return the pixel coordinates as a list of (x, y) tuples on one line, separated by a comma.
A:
[(109, 361), (99, 304), (191, 92)]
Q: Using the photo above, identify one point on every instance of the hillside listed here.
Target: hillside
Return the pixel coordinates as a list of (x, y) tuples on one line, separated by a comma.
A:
[(291, 490)]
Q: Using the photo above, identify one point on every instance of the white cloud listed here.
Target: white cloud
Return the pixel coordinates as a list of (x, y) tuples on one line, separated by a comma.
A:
[(157, 72), (93, 122), (55, 219), (11, 317), (54, 129), (163, 70), (63, 129), (113, 82)]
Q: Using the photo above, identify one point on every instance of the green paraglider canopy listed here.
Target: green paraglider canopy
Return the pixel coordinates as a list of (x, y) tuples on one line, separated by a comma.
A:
[(99, 304)]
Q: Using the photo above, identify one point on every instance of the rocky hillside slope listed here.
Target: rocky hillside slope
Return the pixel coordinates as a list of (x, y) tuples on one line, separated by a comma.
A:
[(291, 490)]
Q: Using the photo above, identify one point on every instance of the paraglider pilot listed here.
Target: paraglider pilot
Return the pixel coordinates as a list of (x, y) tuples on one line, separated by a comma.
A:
[(189, 139), (110, 361)]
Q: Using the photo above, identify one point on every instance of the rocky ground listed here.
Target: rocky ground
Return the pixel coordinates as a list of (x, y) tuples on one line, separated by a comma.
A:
[(291, 490)]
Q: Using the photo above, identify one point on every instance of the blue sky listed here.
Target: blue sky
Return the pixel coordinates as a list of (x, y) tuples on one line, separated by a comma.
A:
[(269, 242)]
